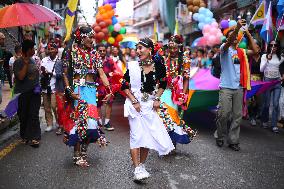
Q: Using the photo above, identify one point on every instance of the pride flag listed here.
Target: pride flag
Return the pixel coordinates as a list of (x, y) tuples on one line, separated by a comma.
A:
[(266, 32), (259, 16)]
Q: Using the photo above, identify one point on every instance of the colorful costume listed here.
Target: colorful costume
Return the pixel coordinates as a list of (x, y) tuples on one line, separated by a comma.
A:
[(171, 98), (85, 113)]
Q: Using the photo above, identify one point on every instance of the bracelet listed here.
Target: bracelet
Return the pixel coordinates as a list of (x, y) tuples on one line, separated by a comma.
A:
[(157, 98), (108, 89), (135, 101)]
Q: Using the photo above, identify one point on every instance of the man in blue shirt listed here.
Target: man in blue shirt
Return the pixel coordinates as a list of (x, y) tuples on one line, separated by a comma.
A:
[(231, 92)]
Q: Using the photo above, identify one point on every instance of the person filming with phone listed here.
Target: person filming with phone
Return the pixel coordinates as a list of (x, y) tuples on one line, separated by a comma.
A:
[(233, 82)]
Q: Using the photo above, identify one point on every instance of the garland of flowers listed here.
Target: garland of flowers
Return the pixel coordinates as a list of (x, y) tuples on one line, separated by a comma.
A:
[(169, 123), (80, 117)]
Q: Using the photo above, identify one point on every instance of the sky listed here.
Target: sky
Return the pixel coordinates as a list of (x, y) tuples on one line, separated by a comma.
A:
[(88, 9)]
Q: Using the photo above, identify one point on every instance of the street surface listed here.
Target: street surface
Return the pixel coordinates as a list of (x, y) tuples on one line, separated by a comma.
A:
[(201, 164)]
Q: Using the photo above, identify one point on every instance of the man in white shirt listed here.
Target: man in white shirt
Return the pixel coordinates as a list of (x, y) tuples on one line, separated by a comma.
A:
[(48, 92)]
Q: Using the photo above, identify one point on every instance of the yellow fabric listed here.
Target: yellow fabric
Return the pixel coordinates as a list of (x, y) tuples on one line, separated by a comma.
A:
[(190, 93), (72, 6), (174, 114), (259, 14)]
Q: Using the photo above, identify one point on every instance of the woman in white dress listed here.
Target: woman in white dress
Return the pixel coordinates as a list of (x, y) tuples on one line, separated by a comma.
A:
[(144, 83)]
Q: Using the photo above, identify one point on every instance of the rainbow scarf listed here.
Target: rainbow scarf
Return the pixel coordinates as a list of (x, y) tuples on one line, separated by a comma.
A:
[(244, 69)]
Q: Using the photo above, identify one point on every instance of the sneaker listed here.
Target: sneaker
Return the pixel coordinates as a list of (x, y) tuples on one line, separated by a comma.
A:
[(265, 125), (219, 142), (59, 131), (234, 147), (146, 174), (48, 129), (275, 130), (108, 127), (138, 174), (253, 122)]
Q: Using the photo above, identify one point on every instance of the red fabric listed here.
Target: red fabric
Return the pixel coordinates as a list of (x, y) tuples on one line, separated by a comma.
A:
[(93, 111), (244, 69), (64, 110)]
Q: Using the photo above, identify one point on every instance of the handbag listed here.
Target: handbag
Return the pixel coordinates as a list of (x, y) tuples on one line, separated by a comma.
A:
[(45, 81)]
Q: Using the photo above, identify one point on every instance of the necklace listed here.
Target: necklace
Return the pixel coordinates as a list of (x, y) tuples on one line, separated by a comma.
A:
[(146, 62), (145, 95)]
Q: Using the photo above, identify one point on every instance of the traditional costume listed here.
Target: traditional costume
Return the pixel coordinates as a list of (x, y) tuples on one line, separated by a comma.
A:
[(177, 69), (146, 128), (83, 62)]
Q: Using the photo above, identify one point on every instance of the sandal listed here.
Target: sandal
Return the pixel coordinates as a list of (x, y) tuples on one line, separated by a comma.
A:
[(79, 161), (59, 131), (34, 143), (24, 141)]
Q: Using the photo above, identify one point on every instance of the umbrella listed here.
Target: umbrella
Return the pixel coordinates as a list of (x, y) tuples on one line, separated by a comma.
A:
[(20, 14), (129, 42)]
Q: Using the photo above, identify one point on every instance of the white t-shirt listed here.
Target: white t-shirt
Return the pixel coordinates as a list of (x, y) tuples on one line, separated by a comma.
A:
[(48, 64), (271, 67)]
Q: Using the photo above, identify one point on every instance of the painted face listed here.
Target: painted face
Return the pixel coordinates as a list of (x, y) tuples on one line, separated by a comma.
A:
[(143, 52), (88, 41), (102, 51), (173, 48)]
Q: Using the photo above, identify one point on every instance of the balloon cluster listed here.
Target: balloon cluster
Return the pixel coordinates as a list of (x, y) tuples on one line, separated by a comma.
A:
[(111, 2), (107, 28), (204, 16), (211, 34), (194, 5)]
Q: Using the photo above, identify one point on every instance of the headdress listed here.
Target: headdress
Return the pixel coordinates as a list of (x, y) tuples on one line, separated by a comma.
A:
[(81, 32)]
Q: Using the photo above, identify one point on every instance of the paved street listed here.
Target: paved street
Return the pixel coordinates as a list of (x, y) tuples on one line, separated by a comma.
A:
[(259, 164)]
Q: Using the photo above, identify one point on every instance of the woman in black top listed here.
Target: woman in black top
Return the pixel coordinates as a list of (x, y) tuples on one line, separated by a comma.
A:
[(144, 83)]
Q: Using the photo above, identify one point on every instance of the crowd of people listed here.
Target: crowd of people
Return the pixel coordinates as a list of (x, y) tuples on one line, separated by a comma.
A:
[(78, 82)]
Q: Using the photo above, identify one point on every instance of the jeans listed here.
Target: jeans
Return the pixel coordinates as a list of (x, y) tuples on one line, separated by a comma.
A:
[(274, 94), (230, 106)]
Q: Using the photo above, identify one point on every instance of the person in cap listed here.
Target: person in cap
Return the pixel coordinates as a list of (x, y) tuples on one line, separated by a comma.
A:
[(143, 84)]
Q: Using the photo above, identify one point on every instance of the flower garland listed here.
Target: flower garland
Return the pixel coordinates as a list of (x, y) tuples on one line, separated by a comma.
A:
[(80, 118), (169, 123)]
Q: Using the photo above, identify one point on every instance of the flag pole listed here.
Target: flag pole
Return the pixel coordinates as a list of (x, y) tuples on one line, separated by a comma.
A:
[(277, 32)]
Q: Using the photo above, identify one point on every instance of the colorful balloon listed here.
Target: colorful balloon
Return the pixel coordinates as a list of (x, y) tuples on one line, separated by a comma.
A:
[(243, 45), (119, 38), (111, 40), (110, 28), (97, 29), (232, 23), (102, 24), (122, 30), (114, 20), (224, 24), (117, 27)]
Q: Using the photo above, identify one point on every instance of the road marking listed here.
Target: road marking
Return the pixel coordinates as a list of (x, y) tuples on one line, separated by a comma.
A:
[(8, 149)]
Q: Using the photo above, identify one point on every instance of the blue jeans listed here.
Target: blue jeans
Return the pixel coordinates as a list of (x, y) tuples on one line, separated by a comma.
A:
[(273, 93)]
